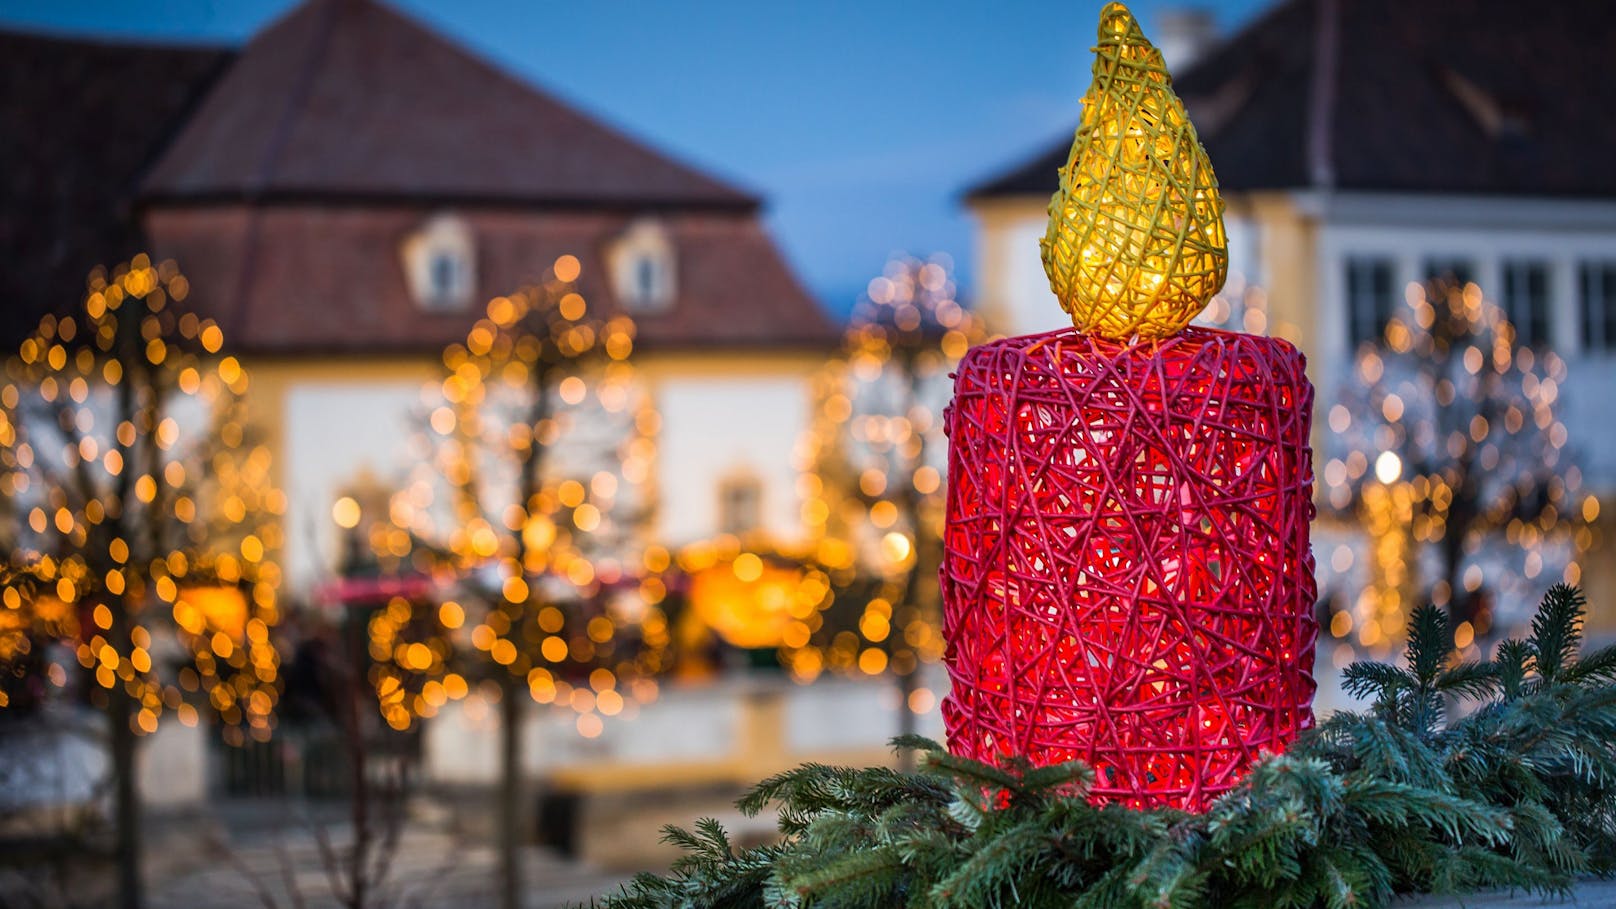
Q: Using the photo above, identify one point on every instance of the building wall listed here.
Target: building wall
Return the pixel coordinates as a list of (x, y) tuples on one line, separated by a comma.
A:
[(333, 423), (317, 295), (728, 415), (1485, 231)]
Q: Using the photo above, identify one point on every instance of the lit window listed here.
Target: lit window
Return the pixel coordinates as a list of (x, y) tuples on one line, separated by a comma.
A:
[(438, 264), (1526, 301), (740, 504), (643, 266), (1369, 299), (1597, 290)]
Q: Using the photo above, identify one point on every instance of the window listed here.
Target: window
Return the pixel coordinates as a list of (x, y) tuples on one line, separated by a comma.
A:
[(1369, 299), (1597, 292), (439, 264), (645, 278), (1460, 271), (740, 504), (643, 266), (1526, 300), (445, 275)]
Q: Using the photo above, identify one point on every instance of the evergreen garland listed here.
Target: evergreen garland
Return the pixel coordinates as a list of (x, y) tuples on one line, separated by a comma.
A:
[(1514, 789)]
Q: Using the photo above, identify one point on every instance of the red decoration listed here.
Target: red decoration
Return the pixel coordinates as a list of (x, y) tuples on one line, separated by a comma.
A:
[(1127, 578)]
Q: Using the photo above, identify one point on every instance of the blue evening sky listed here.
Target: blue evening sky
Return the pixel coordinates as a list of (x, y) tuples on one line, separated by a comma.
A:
[(859, 122)]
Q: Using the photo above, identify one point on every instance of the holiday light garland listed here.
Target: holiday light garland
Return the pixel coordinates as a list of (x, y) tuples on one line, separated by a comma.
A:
[(873, 481), (1448, 448), (142, 512), (529, 506)]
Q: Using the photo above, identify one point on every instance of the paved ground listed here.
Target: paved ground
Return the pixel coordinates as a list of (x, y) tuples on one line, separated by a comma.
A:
[(428, 871)]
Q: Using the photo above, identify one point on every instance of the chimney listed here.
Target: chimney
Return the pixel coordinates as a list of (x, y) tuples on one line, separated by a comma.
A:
[(1183, 34)]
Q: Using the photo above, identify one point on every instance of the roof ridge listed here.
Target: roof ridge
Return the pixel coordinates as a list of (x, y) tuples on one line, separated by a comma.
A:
[(375, 103), (549, 94)]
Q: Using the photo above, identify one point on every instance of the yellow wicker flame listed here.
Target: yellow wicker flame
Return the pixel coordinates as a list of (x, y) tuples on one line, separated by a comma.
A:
[(1135, 246)]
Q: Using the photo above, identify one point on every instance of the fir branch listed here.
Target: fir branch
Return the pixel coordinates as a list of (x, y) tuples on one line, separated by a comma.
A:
[(1557, 632), (1518, 792)]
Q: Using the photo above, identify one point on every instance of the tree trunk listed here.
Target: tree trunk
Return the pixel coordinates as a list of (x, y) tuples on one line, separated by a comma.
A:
[(126, 798), (908, 682), (908, 722), (511, 797), (359, 807)]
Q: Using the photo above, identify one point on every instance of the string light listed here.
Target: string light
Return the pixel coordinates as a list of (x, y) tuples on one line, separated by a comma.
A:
[(1471, 475), (872, 483), (144, 508), (529, 509)]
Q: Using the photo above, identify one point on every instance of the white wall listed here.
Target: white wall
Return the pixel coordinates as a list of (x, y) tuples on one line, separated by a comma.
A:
[(713, 427), (334, 431)]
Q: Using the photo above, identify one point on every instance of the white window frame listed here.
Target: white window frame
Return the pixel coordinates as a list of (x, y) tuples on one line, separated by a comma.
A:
[(1532, 313), (645, 248), (1596, 306), (442, 237)]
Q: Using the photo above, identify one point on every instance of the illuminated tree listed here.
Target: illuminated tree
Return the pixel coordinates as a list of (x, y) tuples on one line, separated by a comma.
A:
[(534, 503), (1448, 447), (141, 521), (877, 458)]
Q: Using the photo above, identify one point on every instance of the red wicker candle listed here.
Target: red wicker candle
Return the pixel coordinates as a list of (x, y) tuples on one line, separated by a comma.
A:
[(1126, 577)]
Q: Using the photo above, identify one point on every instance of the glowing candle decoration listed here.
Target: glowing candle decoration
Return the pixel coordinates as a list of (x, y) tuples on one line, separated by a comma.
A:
[(1127, 577), (1135, 245)]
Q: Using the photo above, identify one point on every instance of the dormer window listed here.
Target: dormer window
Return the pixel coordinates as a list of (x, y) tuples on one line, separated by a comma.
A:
[(440, 264), (445, 275), (643, 267)]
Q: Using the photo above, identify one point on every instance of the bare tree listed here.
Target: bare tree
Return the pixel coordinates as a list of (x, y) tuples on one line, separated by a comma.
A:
[(142, 521), (535, 500), (879, 458), (1452, 412)]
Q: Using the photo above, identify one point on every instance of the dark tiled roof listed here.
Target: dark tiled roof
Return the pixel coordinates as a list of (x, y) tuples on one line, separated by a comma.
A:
[(352, 100), (295, 280), (81, 120), (1428, 96)]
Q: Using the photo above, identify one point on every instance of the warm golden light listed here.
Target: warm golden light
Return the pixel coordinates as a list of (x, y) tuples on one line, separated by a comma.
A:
[(345, 512), (1388, 467), (747, 602), (1135, 245), (150, 511), (540, 382)]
